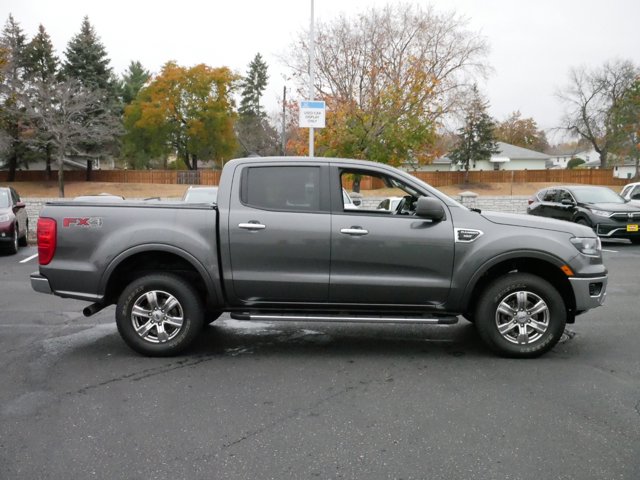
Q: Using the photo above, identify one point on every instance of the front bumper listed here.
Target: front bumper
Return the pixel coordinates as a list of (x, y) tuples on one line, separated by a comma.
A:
[(6, 232), (617, 230), (40, 283), (589, 292)]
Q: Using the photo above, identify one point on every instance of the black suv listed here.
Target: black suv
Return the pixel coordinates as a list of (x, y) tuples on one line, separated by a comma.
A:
[(600, 208)]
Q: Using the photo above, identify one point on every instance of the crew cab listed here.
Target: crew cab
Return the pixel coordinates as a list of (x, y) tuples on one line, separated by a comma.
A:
[(281, 245)]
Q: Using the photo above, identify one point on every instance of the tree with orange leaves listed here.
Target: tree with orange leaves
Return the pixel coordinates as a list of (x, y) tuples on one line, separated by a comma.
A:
[(184, 111), (389, 76)]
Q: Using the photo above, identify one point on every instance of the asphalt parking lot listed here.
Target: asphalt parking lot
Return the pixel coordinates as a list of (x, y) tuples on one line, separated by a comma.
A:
[(268, 400)]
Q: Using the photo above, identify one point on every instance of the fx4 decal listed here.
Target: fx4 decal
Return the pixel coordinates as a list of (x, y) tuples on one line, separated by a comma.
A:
[(86, 222)]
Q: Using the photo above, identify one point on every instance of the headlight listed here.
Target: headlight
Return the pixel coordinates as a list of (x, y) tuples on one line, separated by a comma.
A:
[(588, 245), (601, 213), (5, 218)]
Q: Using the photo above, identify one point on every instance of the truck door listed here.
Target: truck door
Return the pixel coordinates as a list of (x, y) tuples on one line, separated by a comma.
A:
[(279, 233), (386, 257)]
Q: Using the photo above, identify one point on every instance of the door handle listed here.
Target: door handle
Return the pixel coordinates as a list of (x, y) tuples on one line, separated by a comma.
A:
[(253, 225), (354, 231)]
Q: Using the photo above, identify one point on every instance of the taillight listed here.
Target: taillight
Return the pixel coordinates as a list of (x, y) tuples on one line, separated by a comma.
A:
[(46, 234)]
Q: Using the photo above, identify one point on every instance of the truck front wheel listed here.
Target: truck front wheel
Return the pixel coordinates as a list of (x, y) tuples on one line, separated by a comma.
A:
[(159, 315), (520, 315)]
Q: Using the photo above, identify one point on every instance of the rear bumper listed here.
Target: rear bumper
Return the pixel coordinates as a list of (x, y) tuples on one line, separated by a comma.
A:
[(40, 283), (589, 292)]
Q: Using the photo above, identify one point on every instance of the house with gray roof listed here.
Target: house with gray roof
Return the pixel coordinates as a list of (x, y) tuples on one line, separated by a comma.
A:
[(509, 157)]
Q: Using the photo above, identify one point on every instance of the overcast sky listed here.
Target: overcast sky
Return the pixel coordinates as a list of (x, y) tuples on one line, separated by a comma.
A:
[(533, 44)]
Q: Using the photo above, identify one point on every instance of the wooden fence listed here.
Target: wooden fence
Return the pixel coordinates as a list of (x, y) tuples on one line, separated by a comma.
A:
[(167, 177), (437, 179), (589, 177)]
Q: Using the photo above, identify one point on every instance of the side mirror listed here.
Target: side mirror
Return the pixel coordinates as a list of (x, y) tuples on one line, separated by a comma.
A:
[(431, 208), (20, 205)]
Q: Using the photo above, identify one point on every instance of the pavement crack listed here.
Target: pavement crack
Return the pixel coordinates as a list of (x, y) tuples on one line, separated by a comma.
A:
[(143, 374)]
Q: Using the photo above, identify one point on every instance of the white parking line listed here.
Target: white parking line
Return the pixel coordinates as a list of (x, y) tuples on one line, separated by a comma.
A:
[(29, 258), (610, 251)]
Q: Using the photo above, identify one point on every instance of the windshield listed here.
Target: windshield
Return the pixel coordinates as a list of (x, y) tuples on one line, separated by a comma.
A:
[(4, 198), (201, 195), (597, 195)]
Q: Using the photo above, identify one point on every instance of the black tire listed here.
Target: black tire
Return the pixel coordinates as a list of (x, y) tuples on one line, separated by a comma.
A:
[(13, 246), (22, 241), (170, 315), (525, 334), (584, 221), (635, 240)]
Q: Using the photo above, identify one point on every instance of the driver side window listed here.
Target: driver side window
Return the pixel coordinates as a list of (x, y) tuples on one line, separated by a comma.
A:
[(371, 192)]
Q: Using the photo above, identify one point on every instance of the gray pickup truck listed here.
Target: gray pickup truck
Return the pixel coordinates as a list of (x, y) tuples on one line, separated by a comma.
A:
[(280, 245)]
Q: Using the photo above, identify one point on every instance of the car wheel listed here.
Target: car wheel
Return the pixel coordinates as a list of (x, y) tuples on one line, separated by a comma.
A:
[(13, 246), (159, 315), (520, 315), (23, 240), (583, 221), (635, 240)]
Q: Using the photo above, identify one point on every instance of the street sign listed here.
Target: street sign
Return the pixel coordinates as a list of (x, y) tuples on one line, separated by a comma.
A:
[(312, 114)]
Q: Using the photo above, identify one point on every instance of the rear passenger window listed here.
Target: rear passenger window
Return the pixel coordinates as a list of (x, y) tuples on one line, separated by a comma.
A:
[(549, 196), (282, 188)]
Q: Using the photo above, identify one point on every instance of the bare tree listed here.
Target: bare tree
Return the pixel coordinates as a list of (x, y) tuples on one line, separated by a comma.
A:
[(591, 98), (68, 117), (399, 47)]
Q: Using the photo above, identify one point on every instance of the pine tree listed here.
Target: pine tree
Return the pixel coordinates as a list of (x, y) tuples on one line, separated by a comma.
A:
[(87, 61), (40, 62), (12, 118), (476, 139), (253, 87), (41, 67), (132, 81), (254, 133)]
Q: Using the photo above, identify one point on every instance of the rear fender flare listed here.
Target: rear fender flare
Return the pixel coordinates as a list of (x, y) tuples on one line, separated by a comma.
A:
[(212, 284)]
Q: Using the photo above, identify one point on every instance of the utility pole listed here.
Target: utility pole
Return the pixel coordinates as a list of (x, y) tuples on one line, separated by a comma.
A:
[(311, 79)]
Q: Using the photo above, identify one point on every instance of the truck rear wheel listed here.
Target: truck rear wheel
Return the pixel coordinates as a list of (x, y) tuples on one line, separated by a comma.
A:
[(159, 315), (521, 316)]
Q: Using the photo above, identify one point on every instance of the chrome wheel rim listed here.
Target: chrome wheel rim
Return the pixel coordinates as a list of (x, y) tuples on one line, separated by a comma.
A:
[(157, 316), (522, 317)]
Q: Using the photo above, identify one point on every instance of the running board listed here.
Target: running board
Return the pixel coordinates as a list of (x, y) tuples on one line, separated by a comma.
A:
[(450, 320)]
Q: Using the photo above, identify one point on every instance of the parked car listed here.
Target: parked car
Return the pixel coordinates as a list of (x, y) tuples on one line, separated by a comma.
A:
[(631, 193), (100, 197), (390, 204), (200, 195), (600, 208), (14, 222), (280, 246)]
